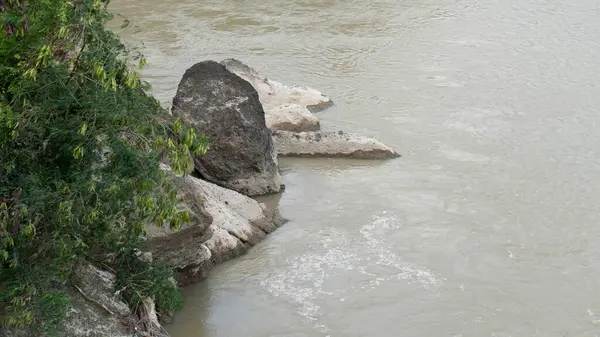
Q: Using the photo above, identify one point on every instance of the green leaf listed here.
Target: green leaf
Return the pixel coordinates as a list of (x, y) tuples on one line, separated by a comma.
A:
[(78, 152), (82, 129)]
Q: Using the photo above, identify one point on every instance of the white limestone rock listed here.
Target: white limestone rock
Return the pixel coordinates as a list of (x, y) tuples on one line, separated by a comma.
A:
[(225, 224), (286, 108), (330, 144)]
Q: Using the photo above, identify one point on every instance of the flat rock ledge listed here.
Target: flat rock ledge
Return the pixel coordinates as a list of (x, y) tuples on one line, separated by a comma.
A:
[(287, 108), (294, 127), (330, 144), (224, 224)]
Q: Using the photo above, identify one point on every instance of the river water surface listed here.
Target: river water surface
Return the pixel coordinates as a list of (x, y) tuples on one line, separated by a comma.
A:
[(489, 223)]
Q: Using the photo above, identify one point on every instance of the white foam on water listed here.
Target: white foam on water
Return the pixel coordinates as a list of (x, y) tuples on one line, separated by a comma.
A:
[(302, 281), (375, 233), (595, 319)]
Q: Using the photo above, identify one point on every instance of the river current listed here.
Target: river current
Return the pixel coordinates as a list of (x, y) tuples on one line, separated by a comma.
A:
[(488, 223)]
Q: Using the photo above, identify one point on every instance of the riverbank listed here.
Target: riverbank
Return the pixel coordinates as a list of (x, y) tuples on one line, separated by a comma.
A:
[(224, 222), (227, 106)]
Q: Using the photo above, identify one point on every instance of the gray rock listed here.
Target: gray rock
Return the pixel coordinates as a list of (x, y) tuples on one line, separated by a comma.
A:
[(99, 286), (292, 117), (95, 310), (286, 107), (184, 247), (230, 223), (227, 109), (330, 144)]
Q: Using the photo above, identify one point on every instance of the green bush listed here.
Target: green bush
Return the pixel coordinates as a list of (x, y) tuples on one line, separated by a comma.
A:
[(80, 145)]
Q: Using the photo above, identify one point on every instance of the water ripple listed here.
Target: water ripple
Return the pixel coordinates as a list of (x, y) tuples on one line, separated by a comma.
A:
[(370, 262)]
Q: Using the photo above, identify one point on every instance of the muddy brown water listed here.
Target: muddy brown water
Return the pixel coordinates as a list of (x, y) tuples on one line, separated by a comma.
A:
[(488, 224)]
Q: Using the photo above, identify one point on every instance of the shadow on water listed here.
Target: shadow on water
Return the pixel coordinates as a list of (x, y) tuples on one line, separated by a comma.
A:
[(197, 303), (327, 164), (271, 200), (316, 165)]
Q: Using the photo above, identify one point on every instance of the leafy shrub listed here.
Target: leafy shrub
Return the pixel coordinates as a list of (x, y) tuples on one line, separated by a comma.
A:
[(80, 145)]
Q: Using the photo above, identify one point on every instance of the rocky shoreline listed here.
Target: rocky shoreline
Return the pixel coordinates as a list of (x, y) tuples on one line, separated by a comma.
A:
[(250, 121)]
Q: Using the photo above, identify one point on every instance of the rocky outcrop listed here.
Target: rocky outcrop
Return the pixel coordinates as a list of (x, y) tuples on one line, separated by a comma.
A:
[(225, 224), (96, 310), (183, 247), (330, 144), (286, 108), (292, 117), (295, 128), (227, 109)]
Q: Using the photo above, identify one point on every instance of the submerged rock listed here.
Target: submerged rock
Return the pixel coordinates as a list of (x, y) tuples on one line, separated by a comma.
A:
[(225, 225), (330, 144), (286, 107), (227, 109)]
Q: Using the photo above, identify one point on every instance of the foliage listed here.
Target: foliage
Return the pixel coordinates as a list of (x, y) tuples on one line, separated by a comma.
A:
[(138, 278), (80, 146)]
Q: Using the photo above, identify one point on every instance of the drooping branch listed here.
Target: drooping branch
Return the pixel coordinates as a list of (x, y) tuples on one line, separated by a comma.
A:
[(7, 6)]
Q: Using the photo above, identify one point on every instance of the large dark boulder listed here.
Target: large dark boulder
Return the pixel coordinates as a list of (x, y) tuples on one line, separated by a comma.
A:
[(227, 109)]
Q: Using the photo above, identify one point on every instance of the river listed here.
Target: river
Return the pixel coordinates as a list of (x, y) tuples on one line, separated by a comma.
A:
[(488, 225)]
